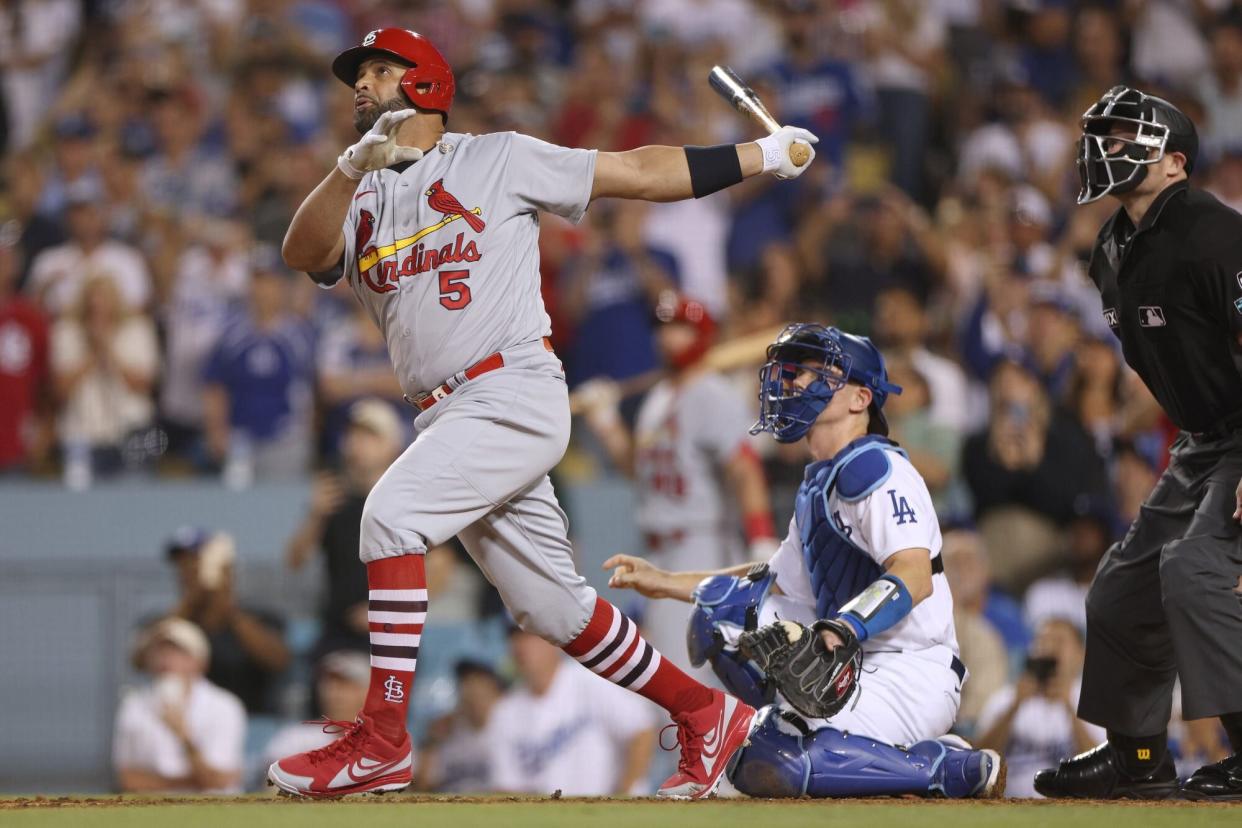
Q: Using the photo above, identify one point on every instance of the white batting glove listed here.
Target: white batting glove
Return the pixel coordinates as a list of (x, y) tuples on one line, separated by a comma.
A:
[(378, 148), (776, 151)]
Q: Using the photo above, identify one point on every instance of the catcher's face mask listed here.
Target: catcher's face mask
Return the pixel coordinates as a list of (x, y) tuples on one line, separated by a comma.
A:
[(788, 407), (1121, 138)]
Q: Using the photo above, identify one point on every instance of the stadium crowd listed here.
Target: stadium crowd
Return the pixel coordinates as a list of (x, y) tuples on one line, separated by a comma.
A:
[(153, 153)]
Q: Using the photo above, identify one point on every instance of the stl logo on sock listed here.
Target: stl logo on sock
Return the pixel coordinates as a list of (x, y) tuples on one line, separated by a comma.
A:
[(394, 691)]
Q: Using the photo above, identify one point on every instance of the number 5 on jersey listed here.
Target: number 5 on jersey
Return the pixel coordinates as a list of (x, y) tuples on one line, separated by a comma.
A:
[(454, 292)]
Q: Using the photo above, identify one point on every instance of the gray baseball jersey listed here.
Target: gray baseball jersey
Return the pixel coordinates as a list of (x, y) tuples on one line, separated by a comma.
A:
[(444, 252), (683, 437)]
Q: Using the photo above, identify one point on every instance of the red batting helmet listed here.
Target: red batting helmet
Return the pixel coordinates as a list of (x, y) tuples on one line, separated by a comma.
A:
[(427, 66), (675, 308)]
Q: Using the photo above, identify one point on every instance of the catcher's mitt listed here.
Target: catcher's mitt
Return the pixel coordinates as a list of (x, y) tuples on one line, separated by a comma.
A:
[(815, 681)]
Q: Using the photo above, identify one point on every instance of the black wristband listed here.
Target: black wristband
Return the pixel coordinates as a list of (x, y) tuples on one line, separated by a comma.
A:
[(713, 168)]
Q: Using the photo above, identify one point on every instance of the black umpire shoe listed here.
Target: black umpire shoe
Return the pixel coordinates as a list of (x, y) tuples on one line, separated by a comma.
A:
[(1095, 775), (1220, 782)]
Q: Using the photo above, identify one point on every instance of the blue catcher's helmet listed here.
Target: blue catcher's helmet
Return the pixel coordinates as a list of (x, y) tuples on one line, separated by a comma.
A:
[(836, 358)]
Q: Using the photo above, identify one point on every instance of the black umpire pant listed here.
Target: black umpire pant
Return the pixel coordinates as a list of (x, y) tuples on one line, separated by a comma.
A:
[(1165, 601)]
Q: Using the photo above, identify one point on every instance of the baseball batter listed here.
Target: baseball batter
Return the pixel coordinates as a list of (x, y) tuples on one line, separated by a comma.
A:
[(692, 463), (851, 620), (437, 234)]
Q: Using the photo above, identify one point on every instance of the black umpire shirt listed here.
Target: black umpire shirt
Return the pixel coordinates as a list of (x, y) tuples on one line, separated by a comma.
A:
[(1172, 291)]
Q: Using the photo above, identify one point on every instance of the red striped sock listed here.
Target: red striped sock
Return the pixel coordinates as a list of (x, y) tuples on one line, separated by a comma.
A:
[(610, 646), (396, 611)]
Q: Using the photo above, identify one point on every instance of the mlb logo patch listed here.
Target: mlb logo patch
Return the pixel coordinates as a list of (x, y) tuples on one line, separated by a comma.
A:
[(1151, 316)]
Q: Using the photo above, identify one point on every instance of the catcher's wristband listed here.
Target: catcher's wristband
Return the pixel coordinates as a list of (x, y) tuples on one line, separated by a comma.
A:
[(884, 603), (348, 169)]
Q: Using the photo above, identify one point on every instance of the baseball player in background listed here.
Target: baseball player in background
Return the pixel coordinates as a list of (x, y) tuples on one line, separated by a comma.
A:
[(692, 462), (437, 234), (849, 626)]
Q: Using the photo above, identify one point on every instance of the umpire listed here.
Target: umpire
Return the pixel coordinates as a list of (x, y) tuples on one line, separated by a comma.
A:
[(1167, 600)]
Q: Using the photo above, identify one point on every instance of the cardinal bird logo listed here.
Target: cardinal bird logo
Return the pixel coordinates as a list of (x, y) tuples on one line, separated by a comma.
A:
[(366, 229), (445, 202)]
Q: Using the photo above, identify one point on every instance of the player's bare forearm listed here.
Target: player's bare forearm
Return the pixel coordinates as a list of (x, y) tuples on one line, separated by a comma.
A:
[(657, 173), (913, 567), (313, 241), (745, 472), (638, 753)]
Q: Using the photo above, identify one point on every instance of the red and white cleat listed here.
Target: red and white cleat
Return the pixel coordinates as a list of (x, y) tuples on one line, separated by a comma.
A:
[(361, 761), (708, 737)]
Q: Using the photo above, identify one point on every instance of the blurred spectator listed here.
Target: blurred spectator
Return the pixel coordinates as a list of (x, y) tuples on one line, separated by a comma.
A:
[(1026, 471), (1033, 722), (35, 50), (904, 42), (608, 290), (1220, 90), (816, 91), (982, 649), (1095, 391), (180, 732), (1167, 43), (1052, 334), (901, 330), (353, 364), (183, 178), (58, 274), (456, 754), (23, 365), (341, 678), (105, 360), (934, 449), (76, 155), (248, 651), (259, 378), (331, 526), (21, 188), (857, 247), (567, 729), (211, 277), (1064, 595)]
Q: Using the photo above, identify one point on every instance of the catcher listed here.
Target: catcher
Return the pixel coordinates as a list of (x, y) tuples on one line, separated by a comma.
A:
[(845, 637)]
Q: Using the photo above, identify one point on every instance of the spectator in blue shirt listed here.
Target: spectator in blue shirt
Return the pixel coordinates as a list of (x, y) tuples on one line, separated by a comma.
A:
[(259, 381)]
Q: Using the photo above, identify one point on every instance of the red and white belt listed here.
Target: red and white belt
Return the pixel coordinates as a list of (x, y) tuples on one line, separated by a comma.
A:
[(489, 363)]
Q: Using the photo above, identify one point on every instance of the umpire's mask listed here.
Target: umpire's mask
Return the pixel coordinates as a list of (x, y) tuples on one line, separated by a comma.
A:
[(1123, 133)]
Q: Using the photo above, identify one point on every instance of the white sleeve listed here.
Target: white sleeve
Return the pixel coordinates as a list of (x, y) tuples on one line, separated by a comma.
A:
[(897, 515), (547, 177), (126, 740), (621, 713), (996, 704), (506, 773), (222, 748)]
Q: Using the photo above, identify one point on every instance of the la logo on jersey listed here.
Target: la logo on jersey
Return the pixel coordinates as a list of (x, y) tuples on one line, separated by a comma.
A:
[(420, 259), (394, 690), (901, 508)]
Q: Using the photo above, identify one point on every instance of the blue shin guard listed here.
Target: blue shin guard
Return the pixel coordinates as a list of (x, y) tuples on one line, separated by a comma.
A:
[(785, 759)]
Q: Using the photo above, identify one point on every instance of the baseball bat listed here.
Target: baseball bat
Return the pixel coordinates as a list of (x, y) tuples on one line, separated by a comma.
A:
[(742, 98)]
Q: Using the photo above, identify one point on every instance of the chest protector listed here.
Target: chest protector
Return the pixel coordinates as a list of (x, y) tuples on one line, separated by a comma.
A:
[(838, 567)]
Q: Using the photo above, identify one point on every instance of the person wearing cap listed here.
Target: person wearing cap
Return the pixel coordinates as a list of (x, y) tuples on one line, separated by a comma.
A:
[(373, 437), (179, 732), (341, 678), (1164, 603), (693, 465), (248, 651), (58, 273), (456, 753), (258, 397)]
